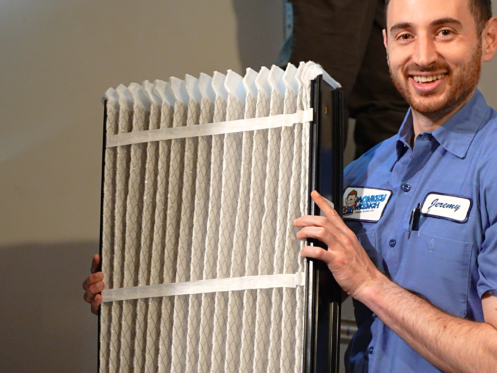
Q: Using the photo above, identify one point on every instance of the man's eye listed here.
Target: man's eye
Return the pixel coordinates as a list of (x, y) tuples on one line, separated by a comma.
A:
[(445, 32), (404, 37)]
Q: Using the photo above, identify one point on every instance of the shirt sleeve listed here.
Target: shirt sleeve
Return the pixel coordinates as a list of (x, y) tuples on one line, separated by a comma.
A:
[(487, 263), (487, 257)]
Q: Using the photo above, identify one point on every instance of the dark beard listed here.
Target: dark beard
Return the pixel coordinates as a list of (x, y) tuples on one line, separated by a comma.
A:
[(463, 86)]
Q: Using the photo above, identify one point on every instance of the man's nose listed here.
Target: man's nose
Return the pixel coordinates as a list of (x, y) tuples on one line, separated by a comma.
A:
[(426, 52)]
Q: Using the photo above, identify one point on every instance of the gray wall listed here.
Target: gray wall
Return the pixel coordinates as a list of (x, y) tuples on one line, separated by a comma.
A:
[(58, 58)]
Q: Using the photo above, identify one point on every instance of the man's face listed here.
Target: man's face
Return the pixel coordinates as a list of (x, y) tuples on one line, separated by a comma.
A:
[(434, 52)]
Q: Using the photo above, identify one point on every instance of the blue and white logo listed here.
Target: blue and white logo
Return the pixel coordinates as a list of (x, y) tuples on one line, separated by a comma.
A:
[(366, 204)]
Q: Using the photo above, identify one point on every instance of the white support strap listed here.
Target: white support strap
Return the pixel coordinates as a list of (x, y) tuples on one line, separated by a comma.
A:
[(208, 129), (205, 286)]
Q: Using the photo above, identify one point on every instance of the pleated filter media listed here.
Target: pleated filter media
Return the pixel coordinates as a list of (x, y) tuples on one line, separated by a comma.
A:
[(202, 181)]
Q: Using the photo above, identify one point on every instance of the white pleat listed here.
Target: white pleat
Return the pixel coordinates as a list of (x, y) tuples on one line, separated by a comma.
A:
[(212, 237), (180, 319), (154, 103), (256, 212), (305, 134), (169, 118), (173, 214), (266, 248), (154, 316), (250, 93), (122, 172), (208, 96), (291, 244), (165, 335), (300, 93), (292, 330), (235, 306), (284, 179), (108, 220), (299, 331), (291, 89), (229, 201), (199, 230), (304, 101), (134, 207)]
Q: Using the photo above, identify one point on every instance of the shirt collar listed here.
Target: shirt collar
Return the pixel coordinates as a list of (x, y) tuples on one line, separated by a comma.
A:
[(404, 135), (456, 133)]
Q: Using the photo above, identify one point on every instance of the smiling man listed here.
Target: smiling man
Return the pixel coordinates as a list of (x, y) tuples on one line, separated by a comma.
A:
[(421, 264)]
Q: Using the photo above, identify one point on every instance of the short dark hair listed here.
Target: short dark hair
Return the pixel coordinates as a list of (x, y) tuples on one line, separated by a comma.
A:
[(480, 9)]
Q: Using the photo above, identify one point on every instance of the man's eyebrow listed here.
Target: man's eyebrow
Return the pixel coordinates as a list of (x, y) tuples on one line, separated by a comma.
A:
[(443, 21), (400, 26), (437, 22)]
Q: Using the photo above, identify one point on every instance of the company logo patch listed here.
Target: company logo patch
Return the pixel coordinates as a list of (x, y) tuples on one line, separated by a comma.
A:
[(365, 204), (448, 207)]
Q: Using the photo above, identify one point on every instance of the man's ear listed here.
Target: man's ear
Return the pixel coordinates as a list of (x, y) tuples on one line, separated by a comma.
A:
[(489, 39), (385, 43)]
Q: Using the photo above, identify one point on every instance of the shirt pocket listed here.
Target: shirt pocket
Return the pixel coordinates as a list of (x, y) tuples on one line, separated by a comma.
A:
[(438, 269)]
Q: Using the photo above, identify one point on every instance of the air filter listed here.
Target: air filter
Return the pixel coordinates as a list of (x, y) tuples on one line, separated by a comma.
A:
[(202, 180)]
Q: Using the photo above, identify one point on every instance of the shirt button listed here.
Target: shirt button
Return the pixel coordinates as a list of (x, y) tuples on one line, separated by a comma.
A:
[(405, 187), (424, 137), (392, 243), (371, 349)]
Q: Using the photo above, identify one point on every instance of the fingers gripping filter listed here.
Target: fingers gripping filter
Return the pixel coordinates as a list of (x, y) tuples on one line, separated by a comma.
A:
[(202, 180)]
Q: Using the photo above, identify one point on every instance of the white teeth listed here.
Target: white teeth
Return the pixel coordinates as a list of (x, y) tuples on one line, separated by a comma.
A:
[(425, 79)]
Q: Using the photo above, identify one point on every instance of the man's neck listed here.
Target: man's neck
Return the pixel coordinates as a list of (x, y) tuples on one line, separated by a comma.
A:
[(430, 122), (422, 123)]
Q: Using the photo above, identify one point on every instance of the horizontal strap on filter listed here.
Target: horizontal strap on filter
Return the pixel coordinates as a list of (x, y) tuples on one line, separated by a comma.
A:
[(205, 286), (208, 129)]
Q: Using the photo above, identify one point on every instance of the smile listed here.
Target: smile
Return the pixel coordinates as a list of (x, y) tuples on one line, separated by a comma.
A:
[(427, 79)]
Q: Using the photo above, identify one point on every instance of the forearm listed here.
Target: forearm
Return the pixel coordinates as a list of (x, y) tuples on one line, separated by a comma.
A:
[(450, 343)]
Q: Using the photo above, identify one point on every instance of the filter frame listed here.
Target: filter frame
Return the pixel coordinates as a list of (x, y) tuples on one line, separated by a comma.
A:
[(101, 232), (323, 295)]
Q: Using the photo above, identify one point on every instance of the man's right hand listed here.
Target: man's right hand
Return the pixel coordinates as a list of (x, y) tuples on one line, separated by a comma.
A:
[(93, 285)]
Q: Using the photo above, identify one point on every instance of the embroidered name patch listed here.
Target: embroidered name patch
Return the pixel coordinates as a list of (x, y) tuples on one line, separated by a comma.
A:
[(448, 207), (366, 204)]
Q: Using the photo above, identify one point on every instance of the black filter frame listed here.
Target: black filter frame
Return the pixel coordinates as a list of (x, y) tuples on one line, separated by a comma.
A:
[(323, 295), (101, 242)]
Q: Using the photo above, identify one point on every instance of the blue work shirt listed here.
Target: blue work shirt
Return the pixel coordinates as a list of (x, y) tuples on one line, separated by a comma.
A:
[(451, 263)]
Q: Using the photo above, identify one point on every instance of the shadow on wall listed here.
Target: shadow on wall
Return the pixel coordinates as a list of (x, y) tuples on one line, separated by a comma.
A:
[(260, 31), (43, 313)]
